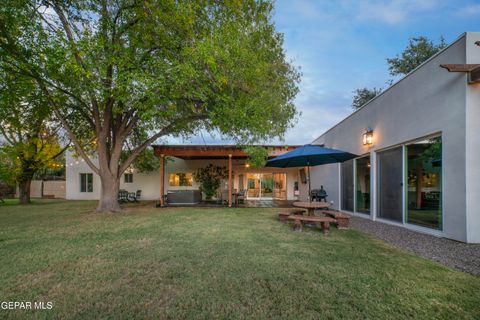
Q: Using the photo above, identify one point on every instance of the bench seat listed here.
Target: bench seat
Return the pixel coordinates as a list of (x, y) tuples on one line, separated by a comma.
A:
[(300, 220), (342, 218), (283, 215)]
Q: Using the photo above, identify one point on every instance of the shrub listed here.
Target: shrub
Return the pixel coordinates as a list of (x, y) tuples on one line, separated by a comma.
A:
[(210, 178)]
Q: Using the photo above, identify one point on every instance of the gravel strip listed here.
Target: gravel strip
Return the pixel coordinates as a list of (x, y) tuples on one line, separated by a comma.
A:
[(462, 256)]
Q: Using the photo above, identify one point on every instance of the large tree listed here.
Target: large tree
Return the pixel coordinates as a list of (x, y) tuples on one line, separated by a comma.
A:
[(418, 50), (29, 140), (120, 74)]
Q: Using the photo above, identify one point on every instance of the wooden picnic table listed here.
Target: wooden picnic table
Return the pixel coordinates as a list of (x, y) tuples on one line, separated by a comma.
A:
[(311, 206)]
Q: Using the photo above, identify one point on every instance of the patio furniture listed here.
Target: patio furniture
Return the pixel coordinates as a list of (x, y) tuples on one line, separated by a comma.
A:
[(318, 195), (135, 196), (241, 196), (283, 216), (224, 196), (311, 206), (342, 218), (122, 196), (184, 196), (300, 220)]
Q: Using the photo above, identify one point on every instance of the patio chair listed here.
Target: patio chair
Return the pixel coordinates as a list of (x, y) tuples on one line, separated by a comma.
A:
[(224, 196), (122, 196), (135, 196), (242, 196)]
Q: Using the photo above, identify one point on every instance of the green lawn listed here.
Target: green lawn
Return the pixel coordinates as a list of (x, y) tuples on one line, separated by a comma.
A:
[(213, 263)]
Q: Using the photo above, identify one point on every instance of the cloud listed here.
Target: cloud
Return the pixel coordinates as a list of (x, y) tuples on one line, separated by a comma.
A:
[(469, 10), (389, 12)]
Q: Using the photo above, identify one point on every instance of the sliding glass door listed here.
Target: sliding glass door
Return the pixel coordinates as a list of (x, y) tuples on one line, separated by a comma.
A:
[(347, 185), (266, 186), (424, 189), (390, 184), (362, 185)]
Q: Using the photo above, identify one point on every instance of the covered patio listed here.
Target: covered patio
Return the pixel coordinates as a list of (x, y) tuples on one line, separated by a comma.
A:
[(185, 159)]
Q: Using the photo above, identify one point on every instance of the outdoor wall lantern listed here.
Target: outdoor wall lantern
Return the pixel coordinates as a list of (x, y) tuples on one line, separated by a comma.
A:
[(368, 137)]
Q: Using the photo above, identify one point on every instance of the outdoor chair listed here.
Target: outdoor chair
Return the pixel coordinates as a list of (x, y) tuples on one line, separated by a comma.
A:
[(242, 196), (135, 196), (224, 196), (122, 196)]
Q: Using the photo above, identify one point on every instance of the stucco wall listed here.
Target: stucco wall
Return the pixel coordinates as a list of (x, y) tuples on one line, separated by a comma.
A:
[(54, 188), (472, 142), (430, 100)]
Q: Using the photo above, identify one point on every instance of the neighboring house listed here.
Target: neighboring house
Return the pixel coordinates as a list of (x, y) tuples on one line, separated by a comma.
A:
[(422, 169), (181, 161)]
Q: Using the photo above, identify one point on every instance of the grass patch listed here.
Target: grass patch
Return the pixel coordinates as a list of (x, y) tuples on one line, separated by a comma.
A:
[(213, 263)]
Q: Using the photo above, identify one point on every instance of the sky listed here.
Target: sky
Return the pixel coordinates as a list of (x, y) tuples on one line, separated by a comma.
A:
[(342, 45)]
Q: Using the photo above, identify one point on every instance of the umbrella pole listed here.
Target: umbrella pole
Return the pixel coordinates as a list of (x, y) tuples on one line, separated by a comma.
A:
[(309, 184)]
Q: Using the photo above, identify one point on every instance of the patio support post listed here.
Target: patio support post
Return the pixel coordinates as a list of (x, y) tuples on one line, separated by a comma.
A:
[(230, 181), (162, 180)]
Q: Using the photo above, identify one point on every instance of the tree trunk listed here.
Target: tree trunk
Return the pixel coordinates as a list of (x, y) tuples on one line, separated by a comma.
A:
[(24, 191), (109, 194)]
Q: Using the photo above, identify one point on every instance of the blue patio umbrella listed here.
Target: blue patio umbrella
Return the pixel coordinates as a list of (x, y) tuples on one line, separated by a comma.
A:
[(309, 155)]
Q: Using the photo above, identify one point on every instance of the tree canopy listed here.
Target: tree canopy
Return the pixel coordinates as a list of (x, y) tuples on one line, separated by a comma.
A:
[(418, 50), (363, 95), (121, 74), (29, 136)]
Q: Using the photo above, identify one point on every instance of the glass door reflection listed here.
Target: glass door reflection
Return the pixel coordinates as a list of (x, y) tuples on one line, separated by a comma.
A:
[(363, 185), (424, 176)]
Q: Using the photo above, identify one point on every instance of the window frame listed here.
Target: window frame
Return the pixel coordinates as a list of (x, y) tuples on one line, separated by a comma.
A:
[(87, 179), (129, 180)]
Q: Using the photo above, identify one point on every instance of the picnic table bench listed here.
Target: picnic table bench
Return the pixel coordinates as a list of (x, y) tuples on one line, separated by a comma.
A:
[(342, 218), (283, 215), (300, 220)]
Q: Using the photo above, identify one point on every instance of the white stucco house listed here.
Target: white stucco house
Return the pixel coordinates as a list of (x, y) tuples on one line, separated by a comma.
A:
[(419, 155)]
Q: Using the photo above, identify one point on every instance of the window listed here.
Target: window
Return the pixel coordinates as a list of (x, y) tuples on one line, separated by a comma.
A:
[(86, 182), (128, 177), (181, 179), (424, 183)]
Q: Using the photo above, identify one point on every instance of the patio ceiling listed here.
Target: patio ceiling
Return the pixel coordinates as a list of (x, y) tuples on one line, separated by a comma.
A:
[(213, 151)]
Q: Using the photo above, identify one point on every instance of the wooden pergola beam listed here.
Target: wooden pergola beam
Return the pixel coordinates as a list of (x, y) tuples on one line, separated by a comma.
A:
[(473, 70), (213, 151), (460, 67)]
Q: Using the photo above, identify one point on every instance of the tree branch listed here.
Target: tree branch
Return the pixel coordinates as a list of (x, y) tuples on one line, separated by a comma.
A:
[(166, 130), (67, 128), (79, 60)]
